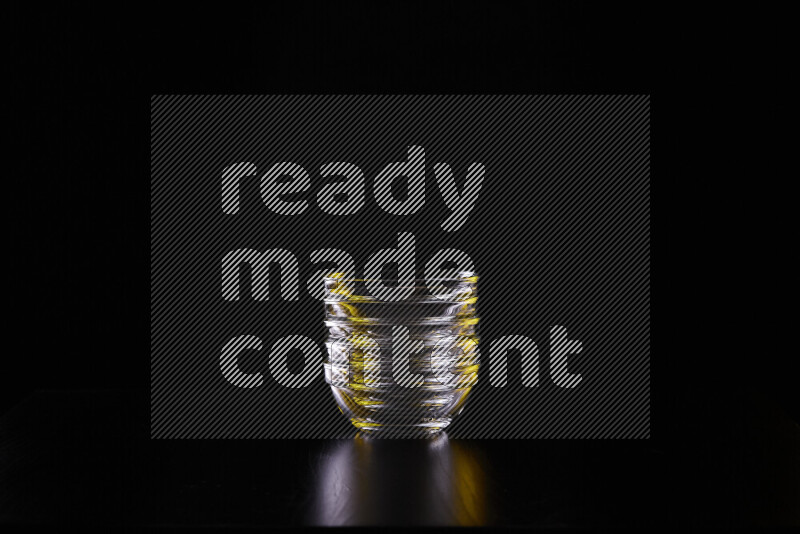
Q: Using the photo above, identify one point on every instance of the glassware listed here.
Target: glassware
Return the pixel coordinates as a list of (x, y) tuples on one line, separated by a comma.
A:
[(406, 367)]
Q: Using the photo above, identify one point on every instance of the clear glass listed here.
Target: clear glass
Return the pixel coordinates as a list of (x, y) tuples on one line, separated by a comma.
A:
[(402, 368)]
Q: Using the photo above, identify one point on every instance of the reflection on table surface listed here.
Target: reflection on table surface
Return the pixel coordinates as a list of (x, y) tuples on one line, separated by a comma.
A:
[(85, 458), (368, 481)]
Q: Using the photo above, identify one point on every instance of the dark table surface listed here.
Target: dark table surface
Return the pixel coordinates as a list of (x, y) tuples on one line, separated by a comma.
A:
[(85, 458)]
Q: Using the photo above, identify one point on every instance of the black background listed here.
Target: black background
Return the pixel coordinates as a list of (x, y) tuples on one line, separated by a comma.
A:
[(83, 80), (77, 209)]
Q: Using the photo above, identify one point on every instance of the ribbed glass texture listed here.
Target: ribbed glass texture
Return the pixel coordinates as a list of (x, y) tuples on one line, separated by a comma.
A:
[(403, 367)]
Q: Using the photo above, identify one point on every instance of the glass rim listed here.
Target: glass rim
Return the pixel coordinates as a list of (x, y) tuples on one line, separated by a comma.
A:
[(463, 276)]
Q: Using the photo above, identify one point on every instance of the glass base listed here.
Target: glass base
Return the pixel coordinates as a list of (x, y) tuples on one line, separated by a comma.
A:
[(393, 413)]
